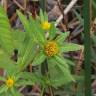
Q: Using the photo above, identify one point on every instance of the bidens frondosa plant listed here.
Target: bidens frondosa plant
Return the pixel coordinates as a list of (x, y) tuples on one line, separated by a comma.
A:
[(40, 43), (52, 44)]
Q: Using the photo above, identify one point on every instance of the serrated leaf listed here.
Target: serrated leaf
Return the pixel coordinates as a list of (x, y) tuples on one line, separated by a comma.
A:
[(15, 92), (62, 37), (6, 40), (51, 62), (19, 38), (57, 77), (52, 32), (37, 30), (45, 16), (60, 60), (41, 16), (39, 59), (67, 47), (70, 62), (24, 21), (6, 62), (28, 55), (3, 89), (25, 82), (28, 76), (66, 72)]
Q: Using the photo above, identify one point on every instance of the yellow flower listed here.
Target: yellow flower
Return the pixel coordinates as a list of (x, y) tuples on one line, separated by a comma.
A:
[(51, 48), (46, 25), (10, 82)]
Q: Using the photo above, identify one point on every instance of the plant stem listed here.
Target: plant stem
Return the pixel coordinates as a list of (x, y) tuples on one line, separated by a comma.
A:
[(44, 71), (51, 91), (43, 5), (87, 50), (44, 68), (42, 92)]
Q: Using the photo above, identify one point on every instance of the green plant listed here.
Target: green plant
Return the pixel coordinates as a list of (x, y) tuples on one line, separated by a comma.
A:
[(40, 43)]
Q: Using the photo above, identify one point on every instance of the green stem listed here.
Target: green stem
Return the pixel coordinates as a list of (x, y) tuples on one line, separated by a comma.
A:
[(42, 92), (87, 54), (44, 68), (44, 71), (43, 5)]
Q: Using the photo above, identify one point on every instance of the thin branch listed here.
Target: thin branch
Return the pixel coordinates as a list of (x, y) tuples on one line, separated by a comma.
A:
[(21, 7), (67, 9), (4, 4), (79, 63)]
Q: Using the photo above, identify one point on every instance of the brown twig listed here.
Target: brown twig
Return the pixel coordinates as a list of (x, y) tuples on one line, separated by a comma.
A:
[(78, 69), (25, 4), (79, 63), (67, 9), (22, 7), (64, 26), (13, 18), (51, 91), (4, 3)]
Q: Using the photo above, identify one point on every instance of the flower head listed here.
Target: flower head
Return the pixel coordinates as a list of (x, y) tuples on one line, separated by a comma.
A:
[(46, 25), (10, 82), (51, 48)]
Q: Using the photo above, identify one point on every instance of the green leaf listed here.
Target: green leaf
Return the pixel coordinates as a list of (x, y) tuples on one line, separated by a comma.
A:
[(62, 37), (26, 78), (70, 62), (41, 16), (58, 77), (28, 55), (2, 79), (67, 75), (15, 92), (52, 32), (18, 93), (6, 40), (24, 45), (6, 62), (24, 21), (37, 30), (39, 59), (19, 38), (32, 23), (3, 89), (25, 82), (51, 62), (3, 15), (70, 47), (60, 60), (94, 8), (45, 16)]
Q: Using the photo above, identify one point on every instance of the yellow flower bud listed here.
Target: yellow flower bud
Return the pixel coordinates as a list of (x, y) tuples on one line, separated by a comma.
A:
[(9, 82), (46, 25)]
